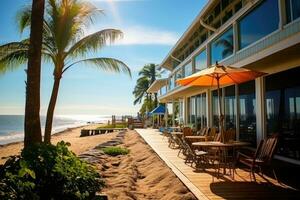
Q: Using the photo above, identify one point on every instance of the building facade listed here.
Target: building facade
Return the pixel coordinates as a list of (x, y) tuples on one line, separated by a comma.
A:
[(262, 35)]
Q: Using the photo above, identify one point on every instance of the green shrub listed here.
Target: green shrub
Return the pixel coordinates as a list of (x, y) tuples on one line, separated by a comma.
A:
[(111, 126), (48, 172), (115, 151)]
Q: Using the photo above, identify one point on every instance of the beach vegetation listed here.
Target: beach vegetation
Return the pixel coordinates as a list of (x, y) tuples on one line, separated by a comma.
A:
[(124, 125), (65, 45), (115, 151), (46, 171)]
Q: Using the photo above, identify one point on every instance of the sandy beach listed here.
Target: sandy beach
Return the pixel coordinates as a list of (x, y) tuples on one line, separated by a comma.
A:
[(78, 144)]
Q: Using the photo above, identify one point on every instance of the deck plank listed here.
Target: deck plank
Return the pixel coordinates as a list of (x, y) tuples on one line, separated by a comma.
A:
[(205, 185)]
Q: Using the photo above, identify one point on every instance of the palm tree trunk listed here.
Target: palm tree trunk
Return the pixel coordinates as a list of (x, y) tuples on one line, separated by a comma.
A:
[(155, 99), (32, 123), (50, 111)]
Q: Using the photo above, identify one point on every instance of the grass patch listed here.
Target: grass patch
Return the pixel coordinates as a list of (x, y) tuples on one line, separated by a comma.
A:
[(111, 126), (115, 151)]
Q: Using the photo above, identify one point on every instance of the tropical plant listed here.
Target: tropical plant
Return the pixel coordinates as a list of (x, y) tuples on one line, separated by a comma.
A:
[(32, 123), (115, 151), (63, 42), (140, 90), (148, 75), (45, 171)]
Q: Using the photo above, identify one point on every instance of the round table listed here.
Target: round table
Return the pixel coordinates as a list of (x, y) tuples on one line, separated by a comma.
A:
[(222, 150)]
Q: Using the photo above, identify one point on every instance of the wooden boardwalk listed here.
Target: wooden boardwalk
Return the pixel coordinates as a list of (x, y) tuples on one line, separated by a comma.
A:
[(206, 185)]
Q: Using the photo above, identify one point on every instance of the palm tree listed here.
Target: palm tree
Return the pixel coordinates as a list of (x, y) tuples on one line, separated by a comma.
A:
[(140, 90), (150, 73), (63, 42), (32, 124)]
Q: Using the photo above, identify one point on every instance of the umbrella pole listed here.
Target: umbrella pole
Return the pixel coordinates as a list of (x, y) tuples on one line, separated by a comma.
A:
[(220, 110)]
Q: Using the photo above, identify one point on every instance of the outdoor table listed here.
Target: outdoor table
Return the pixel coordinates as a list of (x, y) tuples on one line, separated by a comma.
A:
[(223, 155), (195, 138), (177, 133)]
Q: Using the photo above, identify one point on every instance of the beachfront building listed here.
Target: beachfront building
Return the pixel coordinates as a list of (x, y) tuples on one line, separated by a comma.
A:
[(262, 35)]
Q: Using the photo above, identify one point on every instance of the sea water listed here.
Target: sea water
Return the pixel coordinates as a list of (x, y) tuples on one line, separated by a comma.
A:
[(12, 126)]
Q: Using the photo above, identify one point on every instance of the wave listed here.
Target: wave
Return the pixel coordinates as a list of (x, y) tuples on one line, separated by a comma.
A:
[(11, 126)]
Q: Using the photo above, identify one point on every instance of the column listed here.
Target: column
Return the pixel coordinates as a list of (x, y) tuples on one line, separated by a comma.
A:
[(282, 14), (235, 37), (237, 109), (260, 109), (173, 113), (208, 108)]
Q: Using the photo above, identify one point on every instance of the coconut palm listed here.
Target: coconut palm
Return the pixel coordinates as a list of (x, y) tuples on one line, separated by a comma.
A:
[(140, 90), (150, 73), (64, 44), (32, 124)]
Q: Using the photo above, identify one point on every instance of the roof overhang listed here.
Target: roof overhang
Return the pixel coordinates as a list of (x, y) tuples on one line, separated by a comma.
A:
[(157, 84), (166, 62)]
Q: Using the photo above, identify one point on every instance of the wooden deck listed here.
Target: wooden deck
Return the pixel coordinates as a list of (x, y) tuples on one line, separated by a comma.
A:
[(206, 185)]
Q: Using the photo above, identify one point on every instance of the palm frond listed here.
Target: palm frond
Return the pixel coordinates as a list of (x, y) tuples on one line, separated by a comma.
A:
[(12, 60), (94, 42), (106, 64), (23, 18)]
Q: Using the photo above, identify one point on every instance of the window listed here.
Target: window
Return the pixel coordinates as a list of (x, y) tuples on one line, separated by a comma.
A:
[(229, 105), (260, 22), (283, 111), (192, 110), (172, 82), (201, 119), (188, 69), (247, 116), (178, 75), (200, 61), (292, 10), (222, 47)]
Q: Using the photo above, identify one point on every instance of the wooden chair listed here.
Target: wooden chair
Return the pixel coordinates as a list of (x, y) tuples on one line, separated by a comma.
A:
[(229, 135), (187, 131), (262, 157), (195, 156)]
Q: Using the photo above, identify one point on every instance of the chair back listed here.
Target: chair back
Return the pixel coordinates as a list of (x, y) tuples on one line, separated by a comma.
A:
[(266, 149), (207, 131), (213, 132), (187, 131), (229, 135), (217, 137)]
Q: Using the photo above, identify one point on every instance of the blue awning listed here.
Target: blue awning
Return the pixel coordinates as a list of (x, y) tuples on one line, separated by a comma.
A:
[(159, 110)]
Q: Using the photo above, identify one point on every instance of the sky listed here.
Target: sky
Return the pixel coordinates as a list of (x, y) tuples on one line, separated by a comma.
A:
[(151, 28)]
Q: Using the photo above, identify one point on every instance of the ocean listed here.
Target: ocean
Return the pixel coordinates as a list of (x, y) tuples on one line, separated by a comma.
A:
[(12, 126)]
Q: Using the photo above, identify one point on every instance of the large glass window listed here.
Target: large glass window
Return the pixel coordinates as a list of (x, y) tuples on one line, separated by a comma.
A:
[(201, 119), (188, 69), (292, 9), (247, 116), (229, 105), (192, 110), (258, 23), (172, 82), (222, 47), (200, 61), (283, 111), (178, 75)]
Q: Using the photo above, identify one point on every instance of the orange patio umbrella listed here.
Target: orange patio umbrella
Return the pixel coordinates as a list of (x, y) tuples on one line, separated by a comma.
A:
[(219, 75)]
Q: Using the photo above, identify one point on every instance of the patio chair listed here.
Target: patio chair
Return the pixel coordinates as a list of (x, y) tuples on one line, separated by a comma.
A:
[(262, 157), (195, 156), (187, 131)]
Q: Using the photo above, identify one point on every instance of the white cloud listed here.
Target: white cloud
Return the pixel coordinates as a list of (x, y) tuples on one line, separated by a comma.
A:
[(142, 35), (145, 35)]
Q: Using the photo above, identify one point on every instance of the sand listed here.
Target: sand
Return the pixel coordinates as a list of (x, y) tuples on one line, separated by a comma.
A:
[(78, 144), (140, 175)]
